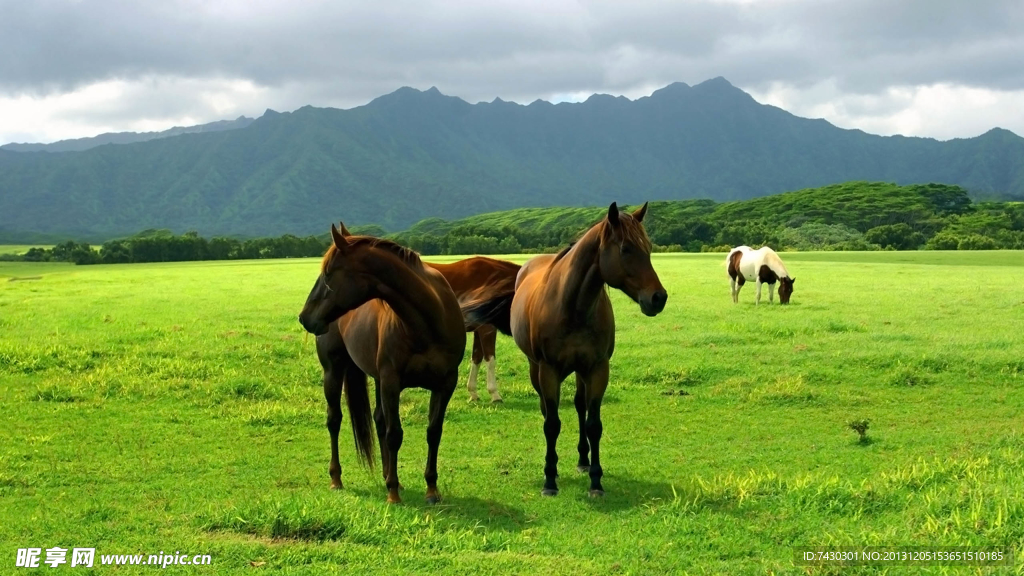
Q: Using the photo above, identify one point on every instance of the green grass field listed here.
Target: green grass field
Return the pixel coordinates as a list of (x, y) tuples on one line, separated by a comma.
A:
[(171, 407)]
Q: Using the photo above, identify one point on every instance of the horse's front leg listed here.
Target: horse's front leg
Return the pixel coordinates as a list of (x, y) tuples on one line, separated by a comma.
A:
[(757, 300), (771, 293), (335, 360), (332, 393), (439, 399), (390, 390), (550, 385), (597, 383)]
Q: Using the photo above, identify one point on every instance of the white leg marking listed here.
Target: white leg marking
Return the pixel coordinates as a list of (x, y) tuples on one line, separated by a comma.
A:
[(771, 293), (758, 300), (492, 380), (471, 383)]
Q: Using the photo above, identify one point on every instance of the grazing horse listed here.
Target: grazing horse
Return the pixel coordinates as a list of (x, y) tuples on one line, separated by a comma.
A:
[(377, 310), (562, 319), (763, 266), (467, 278)]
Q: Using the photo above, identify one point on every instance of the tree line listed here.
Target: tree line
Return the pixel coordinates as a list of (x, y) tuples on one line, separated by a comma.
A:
[(849, 216), (166, 247)]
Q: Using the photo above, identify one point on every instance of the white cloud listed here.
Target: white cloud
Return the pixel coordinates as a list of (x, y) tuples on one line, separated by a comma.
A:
[(922, 67), (942, 111)]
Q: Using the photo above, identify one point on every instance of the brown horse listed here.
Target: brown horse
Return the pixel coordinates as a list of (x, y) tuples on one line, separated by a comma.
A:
[(562, 319), (377, 310), (467, 278)]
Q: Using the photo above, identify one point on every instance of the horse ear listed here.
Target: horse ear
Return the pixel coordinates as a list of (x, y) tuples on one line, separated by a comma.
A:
[(344, 231), (640, 213), (339, 238), (613, 214), (792, 280)]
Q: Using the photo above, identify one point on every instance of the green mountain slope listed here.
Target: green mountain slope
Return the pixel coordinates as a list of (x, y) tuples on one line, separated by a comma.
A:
[(412, 155)]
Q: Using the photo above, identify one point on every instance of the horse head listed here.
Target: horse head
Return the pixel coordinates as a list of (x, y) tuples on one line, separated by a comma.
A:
[(342, 285), (785, 289), (625, 259)]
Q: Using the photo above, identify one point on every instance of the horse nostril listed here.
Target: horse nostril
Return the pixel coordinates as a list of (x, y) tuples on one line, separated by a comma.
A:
[(659, 298)]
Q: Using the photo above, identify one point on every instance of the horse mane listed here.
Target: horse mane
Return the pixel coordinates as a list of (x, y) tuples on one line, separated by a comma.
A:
[(561, 253), (406, 255), (632, 230), (772, 259)]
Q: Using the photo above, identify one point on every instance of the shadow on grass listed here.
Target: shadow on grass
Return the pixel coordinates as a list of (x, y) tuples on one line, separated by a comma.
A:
[(461, 509)]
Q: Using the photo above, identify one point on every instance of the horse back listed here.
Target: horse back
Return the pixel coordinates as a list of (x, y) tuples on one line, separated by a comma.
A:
[(473, 273)]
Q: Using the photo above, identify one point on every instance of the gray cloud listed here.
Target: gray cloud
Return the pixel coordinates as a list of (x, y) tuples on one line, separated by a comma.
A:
[(344, 53)]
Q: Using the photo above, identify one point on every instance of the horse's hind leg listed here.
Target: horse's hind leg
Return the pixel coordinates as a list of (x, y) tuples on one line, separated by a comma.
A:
[(474, 367), (488, 341), (438, 406), (583, 465), (334, 359), (597, 383)]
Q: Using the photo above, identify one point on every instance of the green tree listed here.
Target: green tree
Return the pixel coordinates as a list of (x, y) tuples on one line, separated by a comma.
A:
[(895, 236)]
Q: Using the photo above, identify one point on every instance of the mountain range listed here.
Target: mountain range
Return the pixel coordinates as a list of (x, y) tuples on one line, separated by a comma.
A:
[(415, 154), (80, 144)]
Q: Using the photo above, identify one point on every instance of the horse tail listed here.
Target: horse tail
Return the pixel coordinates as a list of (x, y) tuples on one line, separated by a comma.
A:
[(493, 310), (358, 399)]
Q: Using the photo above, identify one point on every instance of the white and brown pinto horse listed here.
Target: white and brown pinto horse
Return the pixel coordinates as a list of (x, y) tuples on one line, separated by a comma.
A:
[(762, 266)]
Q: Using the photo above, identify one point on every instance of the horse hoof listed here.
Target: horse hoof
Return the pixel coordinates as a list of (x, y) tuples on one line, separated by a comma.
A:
[(394, 499), (597, 493), (549, 492), (436, 498), (583, 469), (336, 485), (497, 401), (474, 398)]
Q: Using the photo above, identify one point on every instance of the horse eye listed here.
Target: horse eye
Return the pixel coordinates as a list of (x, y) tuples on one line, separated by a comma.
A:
[(627, 249)]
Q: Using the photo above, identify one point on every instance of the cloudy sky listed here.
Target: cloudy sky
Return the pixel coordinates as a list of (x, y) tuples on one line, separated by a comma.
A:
[(73, 68)]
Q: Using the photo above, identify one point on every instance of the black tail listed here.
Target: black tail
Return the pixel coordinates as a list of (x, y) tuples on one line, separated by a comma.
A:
[(496, 311), (358, 399)]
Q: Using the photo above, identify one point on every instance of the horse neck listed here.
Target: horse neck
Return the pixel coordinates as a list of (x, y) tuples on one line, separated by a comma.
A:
[(775, 264), (407, 292), (581, 268)]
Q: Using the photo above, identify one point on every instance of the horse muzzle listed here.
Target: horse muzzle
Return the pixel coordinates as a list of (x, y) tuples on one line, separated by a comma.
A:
[(653, 304), (313, 327)]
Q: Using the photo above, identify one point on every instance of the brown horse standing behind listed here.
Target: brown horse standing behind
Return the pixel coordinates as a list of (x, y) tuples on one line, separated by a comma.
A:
[(562, 319), (377, 310), (467, 278)]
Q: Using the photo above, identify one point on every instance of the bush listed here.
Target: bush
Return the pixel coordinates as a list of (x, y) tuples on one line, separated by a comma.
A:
[(976, 242), (896, 236), (943, 241)]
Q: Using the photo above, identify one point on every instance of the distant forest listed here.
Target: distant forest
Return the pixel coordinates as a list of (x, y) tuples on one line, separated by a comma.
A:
[(850, 216)]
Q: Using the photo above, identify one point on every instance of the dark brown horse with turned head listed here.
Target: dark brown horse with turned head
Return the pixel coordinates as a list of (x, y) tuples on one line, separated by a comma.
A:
[(472, 279), (562, 319), (377, 310)]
